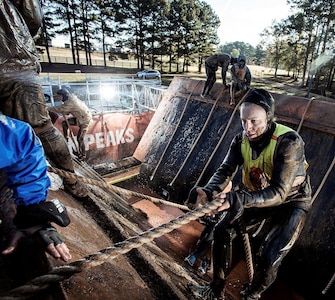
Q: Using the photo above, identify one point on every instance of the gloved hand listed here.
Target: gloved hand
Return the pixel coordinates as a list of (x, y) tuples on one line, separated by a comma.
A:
[(49, 237), (235, 210), (240, 85), (196, 197), (54, 243), (245, 87)]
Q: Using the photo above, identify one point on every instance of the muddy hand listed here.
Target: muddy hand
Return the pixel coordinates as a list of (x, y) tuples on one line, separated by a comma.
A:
[(201, 198), (18, 234), (225, 205)]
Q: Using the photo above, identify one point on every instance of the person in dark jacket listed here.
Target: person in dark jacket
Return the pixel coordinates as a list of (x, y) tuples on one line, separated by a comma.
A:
[(212, 64), (81, 117), (24, 210), (21, 92), (240, 79), (275, 192)]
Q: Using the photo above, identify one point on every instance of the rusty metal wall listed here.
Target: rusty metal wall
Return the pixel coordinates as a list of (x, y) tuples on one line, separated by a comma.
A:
[(183, 139)]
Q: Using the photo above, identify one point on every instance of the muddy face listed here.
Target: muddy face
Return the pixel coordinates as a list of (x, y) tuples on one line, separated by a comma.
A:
[(254, 120)]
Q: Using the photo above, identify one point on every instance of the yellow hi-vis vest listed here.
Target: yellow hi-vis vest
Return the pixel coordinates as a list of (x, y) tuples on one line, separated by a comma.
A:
[(264, 161)]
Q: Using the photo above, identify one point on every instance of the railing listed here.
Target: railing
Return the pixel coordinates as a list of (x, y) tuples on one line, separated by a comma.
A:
[(103, 95)]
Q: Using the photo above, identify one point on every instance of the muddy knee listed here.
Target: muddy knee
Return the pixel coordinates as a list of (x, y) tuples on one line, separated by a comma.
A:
[(55, 148)]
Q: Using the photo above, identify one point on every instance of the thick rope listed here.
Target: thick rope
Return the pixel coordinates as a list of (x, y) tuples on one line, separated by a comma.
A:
[(247, 250), (114, 188), (119, 190), (95, 259)]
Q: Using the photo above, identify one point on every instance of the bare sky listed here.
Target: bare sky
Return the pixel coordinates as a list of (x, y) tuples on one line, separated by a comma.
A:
[(243, 20)]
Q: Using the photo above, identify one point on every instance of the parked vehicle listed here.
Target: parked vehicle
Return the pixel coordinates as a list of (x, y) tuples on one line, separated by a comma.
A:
[(149, 74)]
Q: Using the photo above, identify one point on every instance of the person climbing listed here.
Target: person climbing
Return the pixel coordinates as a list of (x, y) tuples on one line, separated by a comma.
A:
[(21, 92), (212, 64), (24, 183), (240, 79), (275, 192), (81, 117)]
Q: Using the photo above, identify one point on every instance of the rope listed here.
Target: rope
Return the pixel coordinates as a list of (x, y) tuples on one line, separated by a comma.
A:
[(197, 139), (174, 133), (247, 250), (220, 141), (248, 256), (325, 177), (95, 259), (330, 283), (114, 188), (303, 116)]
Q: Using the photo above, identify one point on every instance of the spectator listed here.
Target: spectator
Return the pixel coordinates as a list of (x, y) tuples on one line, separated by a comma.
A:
[(241, 79), (212, 64), (275, 190), (21, 92), (23, 164), (81, 117)]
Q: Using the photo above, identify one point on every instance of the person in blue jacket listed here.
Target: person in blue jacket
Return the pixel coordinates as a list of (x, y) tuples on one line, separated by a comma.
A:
[(24, 165), (21, 91)]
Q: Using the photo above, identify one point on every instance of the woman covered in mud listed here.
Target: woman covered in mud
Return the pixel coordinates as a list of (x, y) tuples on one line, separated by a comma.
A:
[(275, 192)]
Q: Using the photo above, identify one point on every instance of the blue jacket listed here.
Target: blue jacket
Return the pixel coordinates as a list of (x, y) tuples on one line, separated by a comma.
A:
[(22, 159)]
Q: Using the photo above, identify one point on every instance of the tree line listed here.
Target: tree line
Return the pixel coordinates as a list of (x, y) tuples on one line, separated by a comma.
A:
[(304, 43), (180, 33), (158, 32)]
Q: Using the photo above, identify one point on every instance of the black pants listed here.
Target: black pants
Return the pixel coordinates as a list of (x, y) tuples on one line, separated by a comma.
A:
[(281, 227), (211, 79)]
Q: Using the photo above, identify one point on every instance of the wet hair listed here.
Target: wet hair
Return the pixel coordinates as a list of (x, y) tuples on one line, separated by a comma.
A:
[(262, 98)]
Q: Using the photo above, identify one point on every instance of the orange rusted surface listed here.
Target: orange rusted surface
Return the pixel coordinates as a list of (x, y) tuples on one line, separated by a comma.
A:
[(179, 147), (112, 136)]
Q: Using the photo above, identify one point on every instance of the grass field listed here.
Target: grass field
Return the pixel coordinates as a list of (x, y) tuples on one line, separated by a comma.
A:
[(62, 66)]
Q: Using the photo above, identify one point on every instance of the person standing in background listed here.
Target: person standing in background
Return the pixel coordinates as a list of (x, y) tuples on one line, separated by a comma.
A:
[(212, 64)]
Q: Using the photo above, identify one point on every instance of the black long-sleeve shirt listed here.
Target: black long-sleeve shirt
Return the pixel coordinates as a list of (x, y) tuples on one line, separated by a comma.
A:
[(288, 165)]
